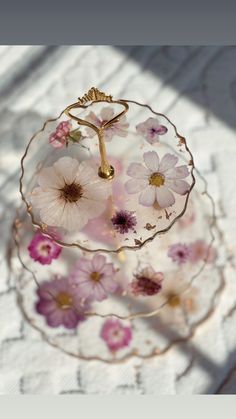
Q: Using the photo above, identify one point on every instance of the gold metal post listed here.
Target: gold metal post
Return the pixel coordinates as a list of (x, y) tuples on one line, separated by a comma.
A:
[(106, 171)]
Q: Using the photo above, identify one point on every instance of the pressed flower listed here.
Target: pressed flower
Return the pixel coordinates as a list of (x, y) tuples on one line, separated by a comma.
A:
[(69, 194), (107, 113), (179, 253), (156, 178), (147, 282), (94, 278), (60, 304), (201, 251), (151, 129), (59, 137), (43, 249), (124, 221), (115, 334)]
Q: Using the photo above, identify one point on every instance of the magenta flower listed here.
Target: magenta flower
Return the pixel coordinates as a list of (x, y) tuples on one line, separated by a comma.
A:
[(124, 221), (116, 335), (43, 249), (59, 137), (179, 253), (60, 304), (94, 278), (151, 129), (147, 283), (156, 179), (118, 128), (201, 251)]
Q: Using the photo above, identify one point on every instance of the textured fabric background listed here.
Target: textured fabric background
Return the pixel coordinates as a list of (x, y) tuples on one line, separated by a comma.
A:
[(196, 88)]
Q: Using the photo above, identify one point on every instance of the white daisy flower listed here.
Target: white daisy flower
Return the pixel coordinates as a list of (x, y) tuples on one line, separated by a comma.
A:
[(156, 179), (69, 194)]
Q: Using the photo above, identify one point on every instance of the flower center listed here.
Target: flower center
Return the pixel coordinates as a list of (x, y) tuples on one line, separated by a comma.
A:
[(44, 249), (95, 276), (63, 300), (156, 179), (72, 192), (173, 300)]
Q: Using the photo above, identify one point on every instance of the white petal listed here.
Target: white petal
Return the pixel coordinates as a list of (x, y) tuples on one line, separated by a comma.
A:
[(52, 213), (151, 160), (167, 162), (92, 208), (138, 171), (98, 190), (41, 197), (49, 178), (179, 172), (135, 185), (148, 196), (179, 186), (66, 168), (85, 174), (164, 197), (73, 218)]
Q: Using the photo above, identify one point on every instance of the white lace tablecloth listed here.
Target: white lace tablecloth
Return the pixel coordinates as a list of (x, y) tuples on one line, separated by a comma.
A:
[(196, 88)]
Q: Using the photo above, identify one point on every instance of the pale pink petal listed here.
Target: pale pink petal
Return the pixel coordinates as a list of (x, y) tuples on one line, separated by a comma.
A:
[(167, 162), (98, 292), (109, 285), (86, 289), (49, 178), (137, 171), (108, 270), (98, 262), (66, 168), (148, 196), (107, 113), (135, 185), (164, 197), (91, 208), (151, 160), (179, 186), (85, 174), (179, 172), (93, 119), (85, 265)]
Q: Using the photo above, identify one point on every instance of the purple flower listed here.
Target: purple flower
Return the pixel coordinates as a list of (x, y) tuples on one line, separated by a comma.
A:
[(59, 137), (116, 335), (151, 129), (156, 178), (93, 278), (124, 221), (43, 249), (179, 253), (147, 283), (60, 304)]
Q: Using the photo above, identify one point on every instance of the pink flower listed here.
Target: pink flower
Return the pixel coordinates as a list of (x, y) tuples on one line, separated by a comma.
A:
[(200, 251), (59, 137), (147, 282), (116, 335), (43, 249), (151, 129), (69, 194), (94, 278), (156, 179), (179, 253), (118, 128), (60, 304)]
